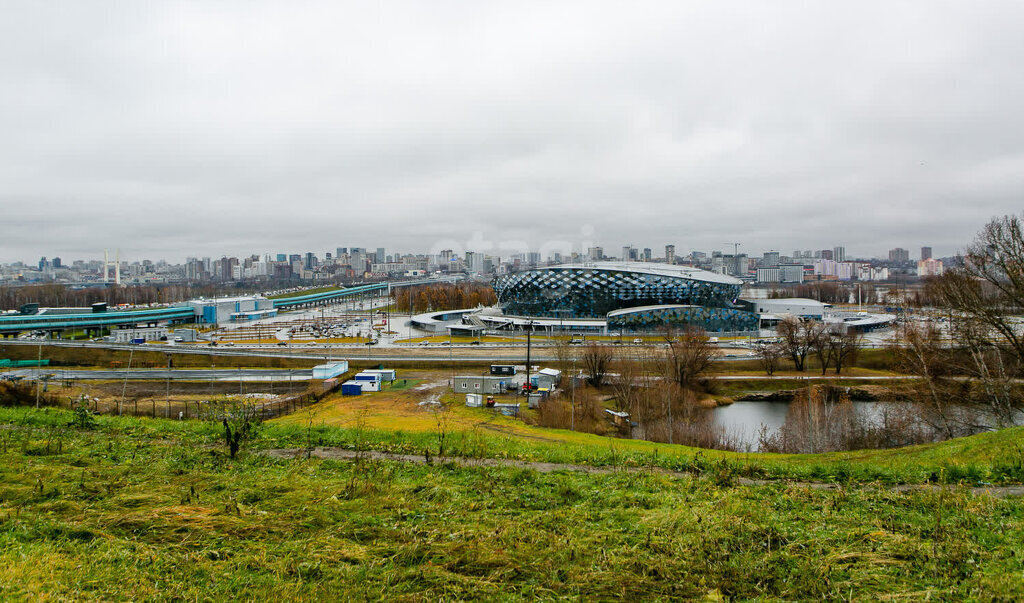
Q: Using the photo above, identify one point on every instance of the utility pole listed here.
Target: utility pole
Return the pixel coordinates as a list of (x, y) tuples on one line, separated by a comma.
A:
[(39, 368), (125, 387), (529, 331), (168, 393), (572, 421)]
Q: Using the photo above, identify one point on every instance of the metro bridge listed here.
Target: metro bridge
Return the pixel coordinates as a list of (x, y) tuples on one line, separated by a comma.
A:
[(330, 297), (90, 321)]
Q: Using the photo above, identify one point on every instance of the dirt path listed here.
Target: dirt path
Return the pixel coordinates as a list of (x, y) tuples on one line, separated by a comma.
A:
[(345, 454)]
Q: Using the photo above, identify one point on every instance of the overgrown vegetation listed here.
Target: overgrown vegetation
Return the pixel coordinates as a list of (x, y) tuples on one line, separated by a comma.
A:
[(146, 509)]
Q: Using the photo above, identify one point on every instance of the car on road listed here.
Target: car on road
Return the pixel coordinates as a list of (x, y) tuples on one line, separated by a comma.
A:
[(638, 340), (424, 343)]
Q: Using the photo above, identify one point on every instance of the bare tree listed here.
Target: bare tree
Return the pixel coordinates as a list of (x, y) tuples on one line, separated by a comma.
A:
[(843, 347), (993, 369), (596, 361), (818, 338), (988, 285), (984, 294), (799, 338), (769, 354), (689, 356), (921, 352)]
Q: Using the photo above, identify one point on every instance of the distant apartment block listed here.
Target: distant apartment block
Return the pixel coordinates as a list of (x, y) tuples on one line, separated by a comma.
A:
[(899, 255)]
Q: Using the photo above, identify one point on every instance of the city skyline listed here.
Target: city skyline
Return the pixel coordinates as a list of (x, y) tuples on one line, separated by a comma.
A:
[(658, 253)]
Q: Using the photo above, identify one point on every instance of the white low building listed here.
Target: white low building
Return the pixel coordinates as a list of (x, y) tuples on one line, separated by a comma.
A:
[(794, 306)]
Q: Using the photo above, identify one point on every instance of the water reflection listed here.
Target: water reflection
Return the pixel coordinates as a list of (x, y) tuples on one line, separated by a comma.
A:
[(743, 421)]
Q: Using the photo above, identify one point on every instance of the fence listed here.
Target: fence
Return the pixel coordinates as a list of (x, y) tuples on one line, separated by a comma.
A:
[(208, 409)]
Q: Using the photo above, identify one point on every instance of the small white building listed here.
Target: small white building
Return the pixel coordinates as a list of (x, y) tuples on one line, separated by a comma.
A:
[(144, 333), (793, 306), (548, 378)]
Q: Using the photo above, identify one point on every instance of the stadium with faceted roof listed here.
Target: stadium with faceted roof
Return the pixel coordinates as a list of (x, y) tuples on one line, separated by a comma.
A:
[(630, 296)]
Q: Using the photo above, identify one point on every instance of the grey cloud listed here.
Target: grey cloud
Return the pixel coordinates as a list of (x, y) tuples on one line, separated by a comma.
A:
[(175, 129)]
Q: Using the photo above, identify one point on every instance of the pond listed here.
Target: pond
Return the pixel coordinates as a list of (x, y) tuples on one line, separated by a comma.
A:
[(742, 421)]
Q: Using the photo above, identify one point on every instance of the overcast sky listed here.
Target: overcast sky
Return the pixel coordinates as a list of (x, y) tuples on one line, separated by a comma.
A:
[(201, 129)]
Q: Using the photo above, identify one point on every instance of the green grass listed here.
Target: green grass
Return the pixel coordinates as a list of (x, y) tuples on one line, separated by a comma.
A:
[(153, 509), (996, 457)]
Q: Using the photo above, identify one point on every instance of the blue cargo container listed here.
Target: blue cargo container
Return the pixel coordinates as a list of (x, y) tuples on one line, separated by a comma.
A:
[(351, 388)]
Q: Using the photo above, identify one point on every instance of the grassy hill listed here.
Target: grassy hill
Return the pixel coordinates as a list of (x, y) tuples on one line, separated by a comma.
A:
[(144, 508)]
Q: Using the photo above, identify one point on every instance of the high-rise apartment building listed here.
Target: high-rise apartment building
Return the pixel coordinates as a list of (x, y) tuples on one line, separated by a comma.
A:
[(791, 273), (670, 254), (926, 253), (929, 267), (839, 254), (899, 255)]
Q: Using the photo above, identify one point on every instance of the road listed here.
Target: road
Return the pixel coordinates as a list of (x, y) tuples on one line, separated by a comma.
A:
[(163, 374), (314, 355)]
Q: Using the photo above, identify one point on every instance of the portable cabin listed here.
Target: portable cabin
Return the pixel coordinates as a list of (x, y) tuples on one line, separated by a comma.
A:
[(370, 381), (480, 384), (388, 375), (352, 388), (474, 400), (503, 369), (548, 378)]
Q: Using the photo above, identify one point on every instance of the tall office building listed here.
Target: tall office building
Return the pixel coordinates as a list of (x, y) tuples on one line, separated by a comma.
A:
[(770, 259), (380, 255)]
